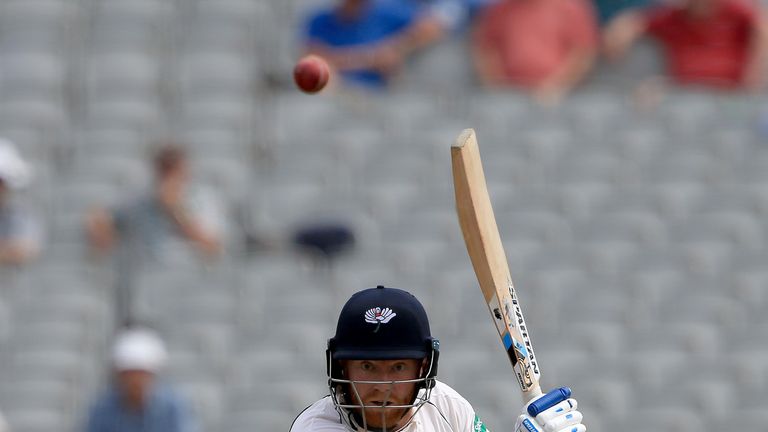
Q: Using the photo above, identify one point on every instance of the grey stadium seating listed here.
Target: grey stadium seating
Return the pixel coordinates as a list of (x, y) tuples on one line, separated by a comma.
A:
[(637, 239)]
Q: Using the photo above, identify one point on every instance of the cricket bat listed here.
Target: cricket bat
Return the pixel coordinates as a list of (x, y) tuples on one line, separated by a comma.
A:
[(481, 235)]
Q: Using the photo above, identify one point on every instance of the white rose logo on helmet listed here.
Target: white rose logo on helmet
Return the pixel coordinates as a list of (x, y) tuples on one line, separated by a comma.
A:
[(379, 316)]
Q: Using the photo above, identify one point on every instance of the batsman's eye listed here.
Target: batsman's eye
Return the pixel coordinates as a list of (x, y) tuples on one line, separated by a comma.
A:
[(400, 367), (366, 366)]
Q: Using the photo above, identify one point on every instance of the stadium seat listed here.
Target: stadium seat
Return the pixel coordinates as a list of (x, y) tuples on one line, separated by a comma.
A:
[(733, 145), (218, 111), (231, 26), (225, 143), (594, 168), (678, 198), (596, 115), (751, 171), (635, 236), (113, 142), (215, 73), (6, 320), (447, 56), (42, 115), (688, 113), (270, 419), (57, 335), (543, 226), (29, 74), (667, 419), (744, 419), (127, 113), (653, 367), (640, 227), (35, 420), (546, 145), (65, 366), (316, 114), (605, 397), (713, 397), (734, 227), (640, 142), (37, 26), (748, 287), (113, 76), (131, 25), (495, 116), (206, 400)]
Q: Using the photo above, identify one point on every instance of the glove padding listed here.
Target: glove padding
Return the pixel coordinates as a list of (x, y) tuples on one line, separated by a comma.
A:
[(563, 417)]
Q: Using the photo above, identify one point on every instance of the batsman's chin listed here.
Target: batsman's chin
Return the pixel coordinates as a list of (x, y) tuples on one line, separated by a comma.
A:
[(379, 415)]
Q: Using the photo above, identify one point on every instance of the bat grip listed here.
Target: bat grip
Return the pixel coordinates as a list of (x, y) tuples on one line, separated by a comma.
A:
[(549, 400)]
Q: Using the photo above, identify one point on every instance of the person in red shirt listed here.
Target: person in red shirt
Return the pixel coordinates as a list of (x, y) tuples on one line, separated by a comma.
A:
[(716, 43), (547, 46)]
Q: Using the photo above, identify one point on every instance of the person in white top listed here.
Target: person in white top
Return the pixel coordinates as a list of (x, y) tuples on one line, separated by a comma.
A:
[(382, 375)]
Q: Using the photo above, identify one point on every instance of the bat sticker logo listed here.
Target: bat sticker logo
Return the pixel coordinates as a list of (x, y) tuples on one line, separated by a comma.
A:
[(531, 365), (508, 313)]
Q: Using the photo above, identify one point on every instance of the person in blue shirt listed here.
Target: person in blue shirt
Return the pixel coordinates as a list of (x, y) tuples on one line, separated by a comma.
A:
[(367, 41), (136, 401), (455, 16)]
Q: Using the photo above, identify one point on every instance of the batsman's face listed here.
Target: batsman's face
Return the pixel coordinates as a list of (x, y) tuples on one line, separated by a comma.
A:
[(386, 393)]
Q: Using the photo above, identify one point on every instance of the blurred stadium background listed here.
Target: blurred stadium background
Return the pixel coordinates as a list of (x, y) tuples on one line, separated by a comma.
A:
[(651, 225)]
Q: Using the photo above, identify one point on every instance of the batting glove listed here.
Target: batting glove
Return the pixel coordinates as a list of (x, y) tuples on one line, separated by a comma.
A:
[(552, 412)]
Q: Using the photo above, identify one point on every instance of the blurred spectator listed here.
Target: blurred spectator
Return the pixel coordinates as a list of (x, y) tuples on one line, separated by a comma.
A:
[(450, 15), (157, 221), (606, 10), (20, 231), (136, 401), (368, 41), (443, 66), (720, 43), (547, 46)]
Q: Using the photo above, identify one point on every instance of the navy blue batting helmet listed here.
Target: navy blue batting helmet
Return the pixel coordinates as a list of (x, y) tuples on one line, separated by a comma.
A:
[(382, 324)]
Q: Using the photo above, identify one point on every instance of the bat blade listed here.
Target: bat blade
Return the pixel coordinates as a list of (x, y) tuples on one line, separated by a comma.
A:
[(481, 235)]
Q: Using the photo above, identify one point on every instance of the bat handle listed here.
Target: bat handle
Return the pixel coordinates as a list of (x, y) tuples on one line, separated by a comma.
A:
[(549, 400)]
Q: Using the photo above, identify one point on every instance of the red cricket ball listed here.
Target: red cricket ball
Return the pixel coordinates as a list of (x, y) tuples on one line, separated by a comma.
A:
[(311, 73)]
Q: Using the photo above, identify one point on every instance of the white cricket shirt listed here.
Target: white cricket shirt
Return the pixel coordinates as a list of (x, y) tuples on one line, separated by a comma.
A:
[(446, 411)]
